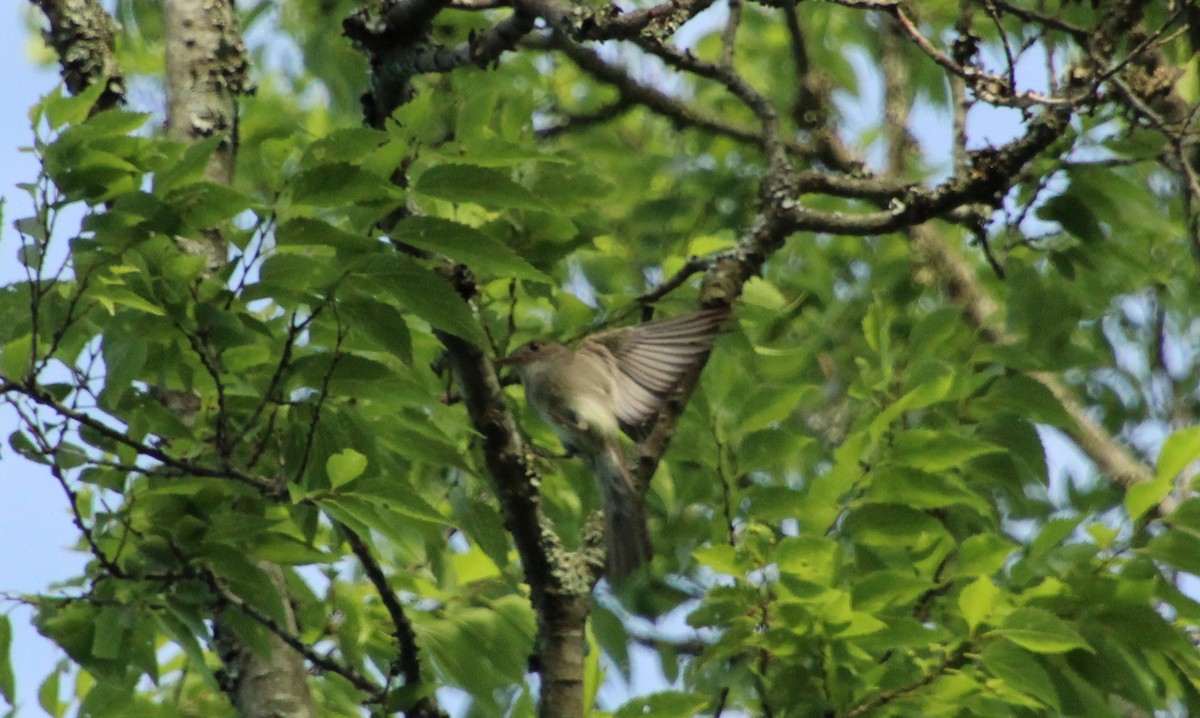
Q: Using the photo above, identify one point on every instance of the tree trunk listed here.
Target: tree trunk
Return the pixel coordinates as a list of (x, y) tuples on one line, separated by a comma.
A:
[(205, 73)]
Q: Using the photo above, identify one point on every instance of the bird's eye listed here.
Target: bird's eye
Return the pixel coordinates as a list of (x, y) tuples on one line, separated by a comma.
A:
[(534, 346)]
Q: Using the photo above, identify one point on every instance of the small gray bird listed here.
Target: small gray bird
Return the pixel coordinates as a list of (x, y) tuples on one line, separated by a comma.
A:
[(616, 380)]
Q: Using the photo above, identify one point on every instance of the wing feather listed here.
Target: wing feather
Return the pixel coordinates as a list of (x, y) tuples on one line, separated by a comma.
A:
[(652, 358)]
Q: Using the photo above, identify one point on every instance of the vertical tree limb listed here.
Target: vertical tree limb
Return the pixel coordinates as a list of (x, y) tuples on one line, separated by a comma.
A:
[(205, 73), (83, 36)]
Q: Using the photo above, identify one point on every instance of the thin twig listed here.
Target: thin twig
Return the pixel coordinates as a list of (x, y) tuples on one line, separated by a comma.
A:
[(729, 34), (298, 477), (406, 641), (43, 398)]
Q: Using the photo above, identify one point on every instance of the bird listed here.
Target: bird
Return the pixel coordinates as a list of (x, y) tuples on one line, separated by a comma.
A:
[(615, 380)]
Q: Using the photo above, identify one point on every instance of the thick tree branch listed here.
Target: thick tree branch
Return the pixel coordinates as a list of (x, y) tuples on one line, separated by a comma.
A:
[(607, 22), (206, 71), (481, 49), (560, 582), (83, 36), (991, 174), (675, 109)]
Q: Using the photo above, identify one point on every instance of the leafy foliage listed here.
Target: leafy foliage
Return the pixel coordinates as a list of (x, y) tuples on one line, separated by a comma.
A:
[(856, 516)]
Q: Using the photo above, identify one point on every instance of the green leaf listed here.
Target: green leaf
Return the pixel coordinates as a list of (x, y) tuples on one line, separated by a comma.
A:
[(1046, 335), (1053, 532), (667, 704), (427, 295), (473, 566), (246, 580), (382, 323), (124, 360), (117, 124), (982, 555), (48, 695), (484, 526), (351, 144), (289, 551), (352, 374), (936, 451), (923, 489), (812, 558), (1179, 450), (892, 525), (189, 168), (8, 687), (16, 359), (292, 272), (770, 405), (720, 558), (207, 204), (183, 629), (111, 625), (89, 168), (977, 600), (882, 589), (1020, 670), (335, 183), (185, 267), (1024, 457), (505, 154), (63, 109), (1187, 515), (394, 494), (424, 443), (467, 245), (479, 185), (593, 671), (345, 467), (611, 634), (723, 605), (1040, 631), (1142, 497), (113, 295), (301, 231), (453, 643), (1177, 547), (24, 446), (1029, 398), (933, 390), (1075, 215)]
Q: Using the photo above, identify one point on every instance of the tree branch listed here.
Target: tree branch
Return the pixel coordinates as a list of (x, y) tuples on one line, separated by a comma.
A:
[(83, 36)]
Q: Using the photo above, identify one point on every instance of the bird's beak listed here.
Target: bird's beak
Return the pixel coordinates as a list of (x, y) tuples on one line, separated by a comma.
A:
[(506, 361)]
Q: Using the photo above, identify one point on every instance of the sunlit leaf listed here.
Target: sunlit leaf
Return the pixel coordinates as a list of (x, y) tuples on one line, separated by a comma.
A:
[(467, 245), (480, 185), (1040, 631), (344, 467)]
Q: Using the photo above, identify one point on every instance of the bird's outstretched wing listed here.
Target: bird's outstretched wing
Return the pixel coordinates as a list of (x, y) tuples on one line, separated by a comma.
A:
[(652, 358)]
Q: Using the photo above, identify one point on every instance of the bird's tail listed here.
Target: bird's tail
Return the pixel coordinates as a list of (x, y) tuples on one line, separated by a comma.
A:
[(625, 529)]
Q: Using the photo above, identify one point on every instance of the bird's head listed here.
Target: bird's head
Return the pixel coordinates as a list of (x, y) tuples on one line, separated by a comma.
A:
[(531, 353)]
